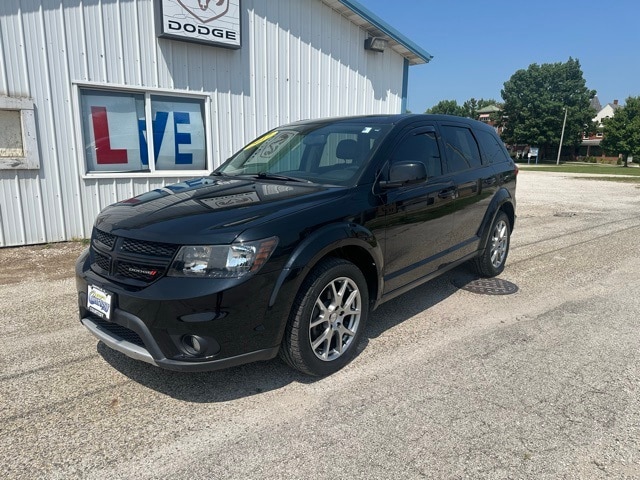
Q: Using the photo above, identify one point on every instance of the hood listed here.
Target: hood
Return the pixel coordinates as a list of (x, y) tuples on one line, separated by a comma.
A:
[(209, 209)]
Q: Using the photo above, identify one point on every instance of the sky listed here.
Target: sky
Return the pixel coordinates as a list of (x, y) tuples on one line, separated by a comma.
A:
[(478, 44)]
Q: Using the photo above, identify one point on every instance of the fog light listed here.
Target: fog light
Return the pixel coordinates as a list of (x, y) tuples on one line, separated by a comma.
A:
[(194, 345)]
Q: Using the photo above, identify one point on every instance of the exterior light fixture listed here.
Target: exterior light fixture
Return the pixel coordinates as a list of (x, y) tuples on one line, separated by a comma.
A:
[(375, 44)]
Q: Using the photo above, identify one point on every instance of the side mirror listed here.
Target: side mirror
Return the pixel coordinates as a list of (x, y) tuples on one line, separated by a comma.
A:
[(405, 173)]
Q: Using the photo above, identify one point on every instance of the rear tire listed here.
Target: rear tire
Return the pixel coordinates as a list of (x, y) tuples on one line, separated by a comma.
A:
[(327, 319), (492, 261)]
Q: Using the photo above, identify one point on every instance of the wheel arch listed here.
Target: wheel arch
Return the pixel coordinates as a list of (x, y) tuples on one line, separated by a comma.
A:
[(351, 242), (501, 202)]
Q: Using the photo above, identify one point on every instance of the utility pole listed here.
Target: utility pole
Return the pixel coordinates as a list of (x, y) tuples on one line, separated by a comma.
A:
[(562, 135)]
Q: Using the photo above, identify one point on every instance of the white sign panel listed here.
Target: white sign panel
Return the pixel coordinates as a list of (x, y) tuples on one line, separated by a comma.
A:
[(213, 22)]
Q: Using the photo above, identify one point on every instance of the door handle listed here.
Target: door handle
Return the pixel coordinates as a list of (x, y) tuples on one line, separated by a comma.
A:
[(447, 193), (490, 181)]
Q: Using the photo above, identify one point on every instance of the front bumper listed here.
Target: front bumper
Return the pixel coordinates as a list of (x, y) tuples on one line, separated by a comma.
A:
[(137, 352), (149, 324)]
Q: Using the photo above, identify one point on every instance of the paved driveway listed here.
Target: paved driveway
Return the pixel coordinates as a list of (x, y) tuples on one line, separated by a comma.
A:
[(543, 383)]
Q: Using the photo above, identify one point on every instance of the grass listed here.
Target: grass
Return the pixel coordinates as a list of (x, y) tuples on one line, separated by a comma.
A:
[(609, 170)]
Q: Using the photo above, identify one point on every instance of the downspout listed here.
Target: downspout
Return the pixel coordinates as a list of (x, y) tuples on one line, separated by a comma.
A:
[(405, 85)]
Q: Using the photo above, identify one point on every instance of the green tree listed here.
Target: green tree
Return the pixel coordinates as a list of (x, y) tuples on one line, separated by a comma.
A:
[(447, 107), (622, 131), (468, 109), (534, 104)]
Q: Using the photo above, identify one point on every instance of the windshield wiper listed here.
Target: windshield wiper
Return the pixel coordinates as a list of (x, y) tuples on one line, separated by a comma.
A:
[(275, 176)]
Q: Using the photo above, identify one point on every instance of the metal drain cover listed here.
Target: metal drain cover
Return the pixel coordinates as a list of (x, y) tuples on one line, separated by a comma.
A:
[(486, 286)]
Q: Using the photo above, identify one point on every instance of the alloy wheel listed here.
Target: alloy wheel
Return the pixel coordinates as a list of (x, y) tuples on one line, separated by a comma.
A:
[(499, 243), (335, 319)]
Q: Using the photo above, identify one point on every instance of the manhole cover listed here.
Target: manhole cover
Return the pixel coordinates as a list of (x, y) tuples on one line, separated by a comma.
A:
[(486, 286)]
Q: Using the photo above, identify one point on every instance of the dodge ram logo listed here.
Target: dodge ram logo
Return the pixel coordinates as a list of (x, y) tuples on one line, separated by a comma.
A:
[(205, 10)]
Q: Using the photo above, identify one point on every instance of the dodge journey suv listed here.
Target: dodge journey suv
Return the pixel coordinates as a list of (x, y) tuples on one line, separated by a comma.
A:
[(289, 245)]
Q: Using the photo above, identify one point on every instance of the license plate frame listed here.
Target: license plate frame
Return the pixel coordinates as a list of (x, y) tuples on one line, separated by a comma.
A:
[(99, 301)]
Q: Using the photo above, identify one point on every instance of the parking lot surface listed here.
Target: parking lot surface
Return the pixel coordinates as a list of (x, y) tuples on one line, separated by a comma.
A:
[(542, 383)]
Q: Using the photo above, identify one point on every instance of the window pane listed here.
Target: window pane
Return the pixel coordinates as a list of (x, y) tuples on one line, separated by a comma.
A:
[(11, 134), (462, 149), (111, 124), (178, 133), (328, 153), (420, 148), (492, 150)]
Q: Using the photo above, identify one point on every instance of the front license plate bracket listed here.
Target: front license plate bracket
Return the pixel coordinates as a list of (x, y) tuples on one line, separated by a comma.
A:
[(99, 301)]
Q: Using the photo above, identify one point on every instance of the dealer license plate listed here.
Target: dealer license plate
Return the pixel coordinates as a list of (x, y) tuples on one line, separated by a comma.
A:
[(99, 302)]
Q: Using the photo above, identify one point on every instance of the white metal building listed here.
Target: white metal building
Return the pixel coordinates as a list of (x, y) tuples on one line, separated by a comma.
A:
[(81, 81)]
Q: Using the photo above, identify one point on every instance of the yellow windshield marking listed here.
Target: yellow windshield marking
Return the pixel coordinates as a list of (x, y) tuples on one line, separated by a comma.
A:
[(261, 140)]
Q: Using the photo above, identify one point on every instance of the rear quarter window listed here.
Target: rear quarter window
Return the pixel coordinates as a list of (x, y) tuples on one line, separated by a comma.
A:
[(492, 147)]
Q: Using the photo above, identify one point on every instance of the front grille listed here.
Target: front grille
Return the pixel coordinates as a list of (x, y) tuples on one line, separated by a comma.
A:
[(105, 238), (130, 261), (155, 249), (103, 261), (119, 331)]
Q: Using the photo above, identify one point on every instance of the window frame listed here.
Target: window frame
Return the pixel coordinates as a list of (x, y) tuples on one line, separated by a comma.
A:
[(148, 92), (30, 159)]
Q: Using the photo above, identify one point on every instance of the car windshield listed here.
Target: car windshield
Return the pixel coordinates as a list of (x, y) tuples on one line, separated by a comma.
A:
[(332, 154)]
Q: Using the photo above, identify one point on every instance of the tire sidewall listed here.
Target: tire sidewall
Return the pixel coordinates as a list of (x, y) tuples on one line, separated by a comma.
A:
[(487, 255), (302, 316)]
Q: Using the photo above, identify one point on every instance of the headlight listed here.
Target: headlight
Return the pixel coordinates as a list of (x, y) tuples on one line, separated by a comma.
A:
[(222, 261)]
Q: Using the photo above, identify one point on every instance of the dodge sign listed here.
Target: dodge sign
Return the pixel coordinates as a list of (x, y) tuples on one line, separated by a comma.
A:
[(214, 22)]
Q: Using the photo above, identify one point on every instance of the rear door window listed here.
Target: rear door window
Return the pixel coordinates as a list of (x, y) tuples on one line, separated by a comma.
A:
[(461, 147)]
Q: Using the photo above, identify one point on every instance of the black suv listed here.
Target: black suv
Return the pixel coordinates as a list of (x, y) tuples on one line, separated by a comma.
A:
[(289, 245)]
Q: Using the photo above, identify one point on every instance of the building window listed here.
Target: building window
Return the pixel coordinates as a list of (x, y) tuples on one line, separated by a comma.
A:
[(18, 141), (117, 137)]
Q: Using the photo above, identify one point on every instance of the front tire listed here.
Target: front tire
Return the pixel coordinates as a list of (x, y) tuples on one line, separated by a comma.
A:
[(492, 261), (327, 318)]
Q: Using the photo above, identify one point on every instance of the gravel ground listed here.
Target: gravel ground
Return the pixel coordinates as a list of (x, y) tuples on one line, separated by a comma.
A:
[(540, 384)]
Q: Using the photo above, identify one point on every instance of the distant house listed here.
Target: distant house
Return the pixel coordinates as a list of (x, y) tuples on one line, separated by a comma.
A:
[(591, 140), (488, 114), (605, 112)]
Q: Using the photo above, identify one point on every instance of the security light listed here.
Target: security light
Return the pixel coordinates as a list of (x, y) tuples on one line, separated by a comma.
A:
[(375, 44)]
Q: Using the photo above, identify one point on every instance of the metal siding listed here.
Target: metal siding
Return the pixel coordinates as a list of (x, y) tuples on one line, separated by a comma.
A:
[(63, 154), (12, 225), (95, 40), (299, 59), (149, 44), (130, 43)]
